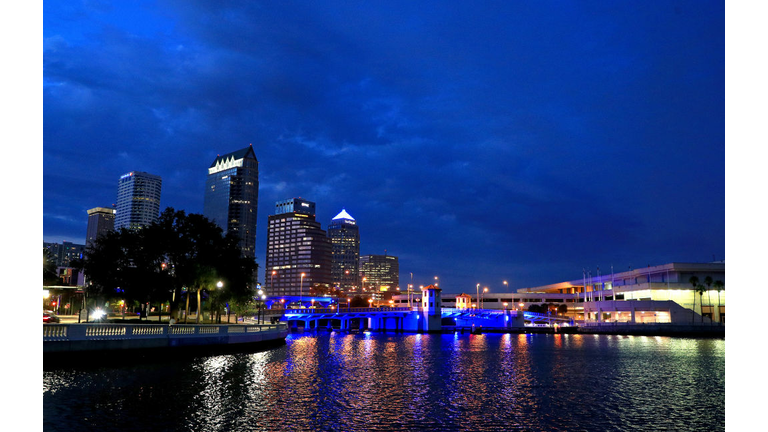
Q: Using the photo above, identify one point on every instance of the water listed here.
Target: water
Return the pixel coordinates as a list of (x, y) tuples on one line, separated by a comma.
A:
[(377, 382)]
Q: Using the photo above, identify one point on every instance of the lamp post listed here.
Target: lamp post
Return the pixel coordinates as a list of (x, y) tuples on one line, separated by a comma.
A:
[(370, 303), (348, 300), (482, 305), (301, 292), (219, 285), (477, 297)]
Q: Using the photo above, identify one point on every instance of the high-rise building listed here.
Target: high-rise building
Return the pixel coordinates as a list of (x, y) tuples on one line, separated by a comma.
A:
[(138, 200), (100, 221), (232, 195), (379, 273), (345, 239), (296, 246)]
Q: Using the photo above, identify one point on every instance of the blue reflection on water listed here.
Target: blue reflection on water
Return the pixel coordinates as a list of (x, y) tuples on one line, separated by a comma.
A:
[(380, 381)]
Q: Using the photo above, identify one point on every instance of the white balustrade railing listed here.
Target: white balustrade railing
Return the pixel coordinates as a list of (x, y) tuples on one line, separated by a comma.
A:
[(84, 332)]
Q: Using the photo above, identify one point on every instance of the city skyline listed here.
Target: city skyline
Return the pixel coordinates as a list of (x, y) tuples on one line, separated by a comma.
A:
[(557, 139)]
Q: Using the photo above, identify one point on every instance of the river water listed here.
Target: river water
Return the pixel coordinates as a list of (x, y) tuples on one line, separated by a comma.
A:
[(386, 381)]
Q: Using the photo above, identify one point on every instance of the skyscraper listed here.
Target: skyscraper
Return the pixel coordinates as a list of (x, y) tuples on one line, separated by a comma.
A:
[(381, 273), (232, 195), (138, 200), (296, 246), (345, 239), (100, 220)]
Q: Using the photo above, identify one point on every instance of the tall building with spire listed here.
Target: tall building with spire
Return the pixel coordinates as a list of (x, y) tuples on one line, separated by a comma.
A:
[(232, 195), (298, 250), (138, 200), (345, 253)]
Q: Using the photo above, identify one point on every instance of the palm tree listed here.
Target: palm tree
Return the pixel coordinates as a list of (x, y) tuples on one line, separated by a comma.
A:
[(700, 289), (708, 282), (693, 281), (719, 285)]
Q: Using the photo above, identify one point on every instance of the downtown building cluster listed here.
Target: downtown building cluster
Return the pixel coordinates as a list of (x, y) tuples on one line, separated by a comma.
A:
[(301, 257)]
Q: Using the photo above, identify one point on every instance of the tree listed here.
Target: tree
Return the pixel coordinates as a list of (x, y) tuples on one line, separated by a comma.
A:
[(700, 289), (49, 269), (719, 285), (693, 281), (708, 282), (176, 254)]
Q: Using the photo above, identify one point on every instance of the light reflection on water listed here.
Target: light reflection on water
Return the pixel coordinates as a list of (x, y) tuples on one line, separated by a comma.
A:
[(442, 382)]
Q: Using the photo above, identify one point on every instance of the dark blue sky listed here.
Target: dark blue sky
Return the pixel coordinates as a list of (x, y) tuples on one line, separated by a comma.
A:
[(477, 141)]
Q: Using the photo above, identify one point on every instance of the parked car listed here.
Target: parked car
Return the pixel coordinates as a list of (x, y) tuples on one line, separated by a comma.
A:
[(50, 317)]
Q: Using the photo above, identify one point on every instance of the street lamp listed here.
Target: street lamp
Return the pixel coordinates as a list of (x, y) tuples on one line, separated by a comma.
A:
[(482, 305), (348, 300), (477, 288), (437, 281), (505, 307), (301, 293), (370, 303)]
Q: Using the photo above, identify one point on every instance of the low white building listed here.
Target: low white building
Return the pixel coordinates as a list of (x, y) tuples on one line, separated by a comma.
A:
[(661, 294)]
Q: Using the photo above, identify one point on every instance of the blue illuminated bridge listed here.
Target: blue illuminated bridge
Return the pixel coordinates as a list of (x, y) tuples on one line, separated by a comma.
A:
[(319, 312)]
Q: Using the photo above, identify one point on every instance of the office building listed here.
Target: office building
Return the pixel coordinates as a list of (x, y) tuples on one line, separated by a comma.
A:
[(232, 195), (63, 254), (296, 246), (101, 220), (138, 200), (379, 273), (345, 253)]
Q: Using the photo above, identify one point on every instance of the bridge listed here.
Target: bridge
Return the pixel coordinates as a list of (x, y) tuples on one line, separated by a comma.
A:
[(409, 319)]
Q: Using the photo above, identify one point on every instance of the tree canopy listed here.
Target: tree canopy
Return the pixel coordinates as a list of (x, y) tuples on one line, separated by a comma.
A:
[(178, 253)]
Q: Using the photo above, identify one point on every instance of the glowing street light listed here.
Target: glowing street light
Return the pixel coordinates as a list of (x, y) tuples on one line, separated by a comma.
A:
[(348, 300), (482, 305), (301, 293), (506, 286)]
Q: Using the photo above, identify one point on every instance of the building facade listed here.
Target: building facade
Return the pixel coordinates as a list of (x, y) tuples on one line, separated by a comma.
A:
[(298, 250), (101, 220), (379, 273), (345, 253), (138, 200), (63, 253), (232, 195)]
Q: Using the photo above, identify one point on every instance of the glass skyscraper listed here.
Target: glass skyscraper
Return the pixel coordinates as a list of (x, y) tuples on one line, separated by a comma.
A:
[(381, 273), (138, 200), (232, 195), (296, 246), (345, 239)]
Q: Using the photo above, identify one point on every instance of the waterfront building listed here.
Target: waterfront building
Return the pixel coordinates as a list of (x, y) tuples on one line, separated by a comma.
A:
[(138, 200), (654, 294), (232, 194), (298, 250), (379, 273), (101, 220), (345, 253)]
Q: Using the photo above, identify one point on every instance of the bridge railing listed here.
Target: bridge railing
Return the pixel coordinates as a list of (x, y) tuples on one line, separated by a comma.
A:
[(92, 331), (338, 310)]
